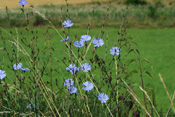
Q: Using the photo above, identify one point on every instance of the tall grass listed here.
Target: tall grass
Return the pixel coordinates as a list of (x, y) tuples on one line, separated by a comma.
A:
[(28, 93)]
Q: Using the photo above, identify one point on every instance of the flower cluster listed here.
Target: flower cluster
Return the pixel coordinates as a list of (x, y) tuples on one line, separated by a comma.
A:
[(69, 84), (87, 86), (19, 66), (72, 68), (84, 38)]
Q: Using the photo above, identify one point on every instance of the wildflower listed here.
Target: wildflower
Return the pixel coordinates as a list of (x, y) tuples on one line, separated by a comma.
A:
[(103, 97), (22, 2), (30, 106), (72, 90), (68, 83), (115, 51), (71, 68), (67, 23), (17, 66), (65, 39), (88, 86), (85, 38), (79, 44), (2, 74), (98, 42), (24, 69), (86, 67)]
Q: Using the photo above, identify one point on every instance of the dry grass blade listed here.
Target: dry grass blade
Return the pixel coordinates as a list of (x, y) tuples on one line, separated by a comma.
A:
[(161, 79), (136, 98), (37, 12), (88, 48), (149, 100), (171, 104)]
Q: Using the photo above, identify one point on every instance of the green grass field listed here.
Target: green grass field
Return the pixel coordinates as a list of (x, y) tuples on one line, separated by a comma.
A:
[(157, 45)]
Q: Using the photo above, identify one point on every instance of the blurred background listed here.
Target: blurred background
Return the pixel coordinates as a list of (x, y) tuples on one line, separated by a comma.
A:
[(142, 13)]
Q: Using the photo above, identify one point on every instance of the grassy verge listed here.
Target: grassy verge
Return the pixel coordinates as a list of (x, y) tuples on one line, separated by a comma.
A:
[(155, 44)]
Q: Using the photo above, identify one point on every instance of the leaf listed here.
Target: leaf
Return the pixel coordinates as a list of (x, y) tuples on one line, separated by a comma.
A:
[(125, 44), (130, 73), (131, 50), (52, 48), (147, 72), (137, 51), (145, 59), (129, 37), (132, 60), (134, 43)]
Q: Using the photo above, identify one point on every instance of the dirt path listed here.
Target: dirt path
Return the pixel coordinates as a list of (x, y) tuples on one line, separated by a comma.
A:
[(14, 3)]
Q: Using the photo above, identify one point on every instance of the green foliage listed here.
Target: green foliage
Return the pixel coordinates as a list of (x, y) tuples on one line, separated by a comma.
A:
[(136, 2)]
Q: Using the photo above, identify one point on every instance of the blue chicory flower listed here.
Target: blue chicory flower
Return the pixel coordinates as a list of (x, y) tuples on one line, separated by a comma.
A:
[(86, 67), (103, 97), (85, 38), (24, 69), (98, 42), (2, 74), (65, 39), (22, 2), (17, 66), (115, 51), (88, 86), (72, 90), (67, 23), (68, 83), (79, 44), (30, 106), (72, 68)]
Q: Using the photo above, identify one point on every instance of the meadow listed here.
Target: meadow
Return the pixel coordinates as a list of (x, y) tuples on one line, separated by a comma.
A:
[(157, 45)]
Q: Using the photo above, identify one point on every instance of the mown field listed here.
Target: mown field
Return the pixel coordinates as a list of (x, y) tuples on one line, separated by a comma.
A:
[(157, 45)]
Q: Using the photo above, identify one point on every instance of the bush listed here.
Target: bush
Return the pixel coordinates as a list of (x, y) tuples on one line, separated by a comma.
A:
[(136, 2)]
